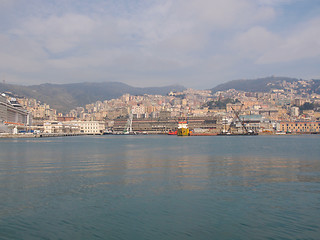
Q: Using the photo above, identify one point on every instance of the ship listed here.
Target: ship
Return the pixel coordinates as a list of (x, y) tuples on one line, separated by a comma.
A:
[(183, 129)]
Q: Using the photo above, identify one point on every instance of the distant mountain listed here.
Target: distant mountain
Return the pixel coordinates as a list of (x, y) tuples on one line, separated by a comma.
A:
[(65, 97), (252, 85), (268, 83)]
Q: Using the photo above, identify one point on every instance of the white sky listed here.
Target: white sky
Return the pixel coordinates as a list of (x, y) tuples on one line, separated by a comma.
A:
[(198, 44)]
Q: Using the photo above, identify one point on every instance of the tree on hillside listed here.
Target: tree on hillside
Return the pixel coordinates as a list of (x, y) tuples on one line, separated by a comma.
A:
[(307, 106), (221, 103)]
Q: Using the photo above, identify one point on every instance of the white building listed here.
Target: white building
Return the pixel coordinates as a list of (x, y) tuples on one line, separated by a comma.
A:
[(294, 112), (60, 127), (90, 127)]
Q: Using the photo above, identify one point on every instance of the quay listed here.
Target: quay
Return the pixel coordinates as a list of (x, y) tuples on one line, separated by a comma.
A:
[(45, 135), (38, 135)]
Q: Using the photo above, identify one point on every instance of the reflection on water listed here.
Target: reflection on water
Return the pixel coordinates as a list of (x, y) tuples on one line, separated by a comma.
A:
[(159, 187)]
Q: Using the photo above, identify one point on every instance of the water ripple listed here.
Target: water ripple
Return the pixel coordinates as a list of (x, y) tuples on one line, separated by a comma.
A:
[(155, 187)]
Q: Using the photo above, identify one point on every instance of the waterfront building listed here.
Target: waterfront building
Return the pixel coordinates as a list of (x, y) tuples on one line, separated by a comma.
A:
[(60, 127), (90, 127), (164, 125), (75, 127), (300, 127)]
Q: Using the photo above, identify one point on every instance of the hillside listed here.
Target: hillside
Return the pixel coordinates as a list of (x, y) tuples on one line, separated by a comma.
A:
[(65, 97), (269, 83), (252, 85)]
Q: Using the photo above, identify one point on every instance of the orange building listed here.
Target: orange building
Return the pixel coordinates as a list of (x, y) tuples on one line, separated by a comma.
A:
[(300, 127), (63, 119)]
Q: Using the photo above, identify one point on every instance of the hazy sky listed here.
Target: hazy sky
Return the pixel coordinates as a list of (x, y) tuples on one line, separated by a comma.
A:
[(196, 43)]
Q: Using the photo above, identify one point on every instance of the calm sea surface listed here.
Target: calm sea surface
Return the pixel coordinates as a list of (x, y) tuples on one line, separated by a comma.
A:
[(160, 187)]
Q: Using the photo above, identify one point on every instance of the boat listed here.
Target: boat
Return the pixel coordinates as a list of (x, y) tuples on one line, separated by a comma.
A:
[(107, 132), (173, 132), (183, 129)]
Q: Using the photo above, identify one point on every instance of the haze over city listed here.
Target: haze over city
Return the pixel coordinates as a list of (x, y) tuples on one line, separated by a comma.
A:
[(198, 44)]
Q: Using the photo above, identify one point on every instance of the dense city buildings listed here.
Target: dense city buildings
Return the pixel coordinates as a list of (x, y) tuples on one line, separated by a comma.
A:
[(284, 109)]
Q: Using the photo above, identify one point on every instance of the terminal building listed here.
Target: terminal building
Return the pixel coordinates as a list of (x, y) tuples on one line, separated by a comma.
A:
[(74, 127), (300, 127), (163, 125)]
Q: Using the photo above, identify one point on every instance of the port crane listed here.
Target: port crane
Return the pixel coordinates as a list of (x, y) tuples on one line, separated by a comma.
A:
[(236, 113), (241, 121), (128, 128)]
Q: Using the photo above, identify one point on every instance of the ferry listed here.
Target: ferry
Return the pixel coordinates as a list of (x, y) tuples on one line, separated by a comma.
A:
[(183, 129)]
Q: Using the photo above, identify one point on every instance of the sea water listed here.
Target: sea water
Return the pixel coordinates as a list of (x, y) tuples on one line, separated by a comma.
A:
[(160, 187)]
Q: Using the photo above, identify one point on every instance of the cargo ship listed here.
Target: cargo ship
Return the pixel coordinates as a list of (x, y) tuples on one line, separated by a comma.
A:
[(183, 129)]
